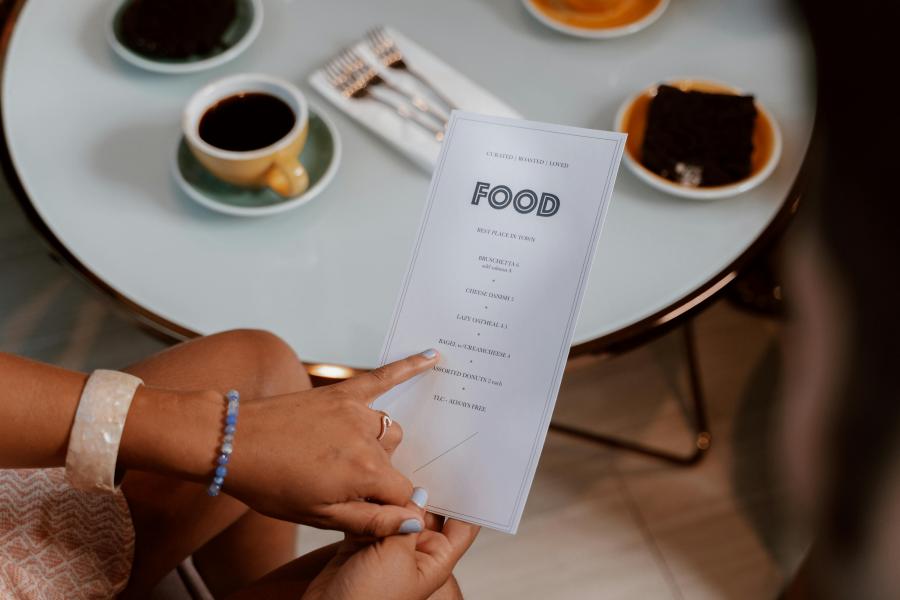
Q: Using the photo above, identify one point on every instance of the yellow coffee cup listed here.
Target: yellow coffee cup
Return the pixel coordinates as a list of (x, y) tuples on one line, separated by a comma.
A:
[(275, 165)]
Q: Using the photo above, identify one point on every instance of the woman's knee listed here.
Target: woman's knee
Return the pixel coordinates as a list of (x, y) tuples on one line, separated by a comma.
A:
[(272, 365)]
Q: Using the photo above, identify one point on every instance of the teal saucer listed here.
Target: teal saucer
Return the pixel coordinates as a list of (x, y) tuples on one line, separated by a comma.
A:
[(321, 156), (239, 35)]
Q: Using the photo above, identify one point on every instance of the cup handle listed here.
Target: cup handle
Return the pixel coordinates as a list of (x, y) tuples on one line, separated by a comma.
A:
[(287, 177)]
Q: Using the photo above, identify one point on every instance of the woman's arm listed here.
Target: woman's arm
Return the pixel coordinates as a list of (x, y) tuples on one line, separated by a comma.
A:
[(166, 431), (310, 457)]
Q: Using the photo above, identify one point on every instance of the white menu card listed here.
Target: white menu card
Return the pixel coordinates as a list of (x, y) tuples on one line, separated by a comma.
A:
[(495, 284)]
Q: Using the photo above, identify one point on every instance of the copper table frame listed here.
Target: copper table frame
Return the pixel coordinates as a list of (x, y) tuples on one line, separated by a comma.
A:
[(678, 313)]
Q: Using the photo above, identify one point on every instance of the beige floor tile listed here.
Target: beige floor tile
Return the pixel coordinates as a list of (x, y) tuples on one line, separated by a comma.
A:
[(576, 540), (705, 533), (713, 523)]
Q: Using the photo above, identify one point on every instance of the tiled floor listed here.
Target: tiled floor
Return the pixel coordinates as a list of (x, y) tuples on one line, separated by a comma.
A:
[(599, 523)]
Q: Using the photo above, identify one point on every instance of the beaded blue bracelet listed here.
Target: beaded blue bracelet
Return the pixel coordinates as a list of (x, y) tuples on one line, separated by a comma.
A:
[(231, 414)]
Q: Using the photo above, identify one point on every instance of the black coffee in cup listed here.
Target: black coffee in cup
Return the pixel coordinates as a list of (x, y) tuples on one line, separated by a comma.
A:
[(247, 121)]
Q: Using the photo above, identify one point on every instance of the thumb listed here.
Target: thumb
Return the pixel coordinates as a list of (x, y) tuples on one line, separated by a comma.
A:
[(439, 552), (406, 542), (377, 520)]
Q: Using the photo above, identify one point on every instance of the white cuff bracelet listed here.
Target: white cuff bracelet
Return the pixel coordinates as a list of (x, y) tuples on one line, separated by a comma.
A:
[(97, 430)]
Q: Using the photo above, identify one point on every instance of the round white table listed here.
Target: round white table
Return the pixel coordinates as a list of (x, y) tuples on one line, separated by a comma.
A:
[(90, 139)]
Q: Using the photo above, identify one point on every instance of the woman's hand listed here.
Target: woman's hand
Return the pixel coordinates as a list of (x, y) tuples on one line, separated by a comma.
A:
[(313, 457), (400, 567)]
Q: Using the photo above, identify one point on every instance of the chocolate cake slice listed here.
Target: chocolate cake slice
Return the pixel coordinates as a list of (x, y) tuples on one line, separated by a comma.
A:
[(177, 29), (699, 138)]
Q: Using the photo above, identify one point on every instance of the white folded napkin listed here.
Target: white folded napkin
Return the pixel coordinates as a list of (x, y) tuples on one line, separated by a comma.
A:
[(415, 142)]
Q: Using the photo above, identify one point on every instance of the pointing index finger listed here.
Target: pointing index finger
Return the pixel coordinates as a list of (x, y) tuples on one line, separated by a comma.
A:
[(375, 383)]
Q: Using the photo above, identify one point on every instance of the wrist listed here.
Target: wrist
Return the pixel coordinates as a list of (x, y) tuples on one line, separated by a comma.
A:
[(172, 432)]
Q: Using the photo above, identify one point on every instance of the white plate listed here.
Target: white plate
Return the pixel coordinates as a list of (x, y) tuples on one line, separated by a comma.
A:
[(268, 202), (175, 68), (700, 193), (597, 34)]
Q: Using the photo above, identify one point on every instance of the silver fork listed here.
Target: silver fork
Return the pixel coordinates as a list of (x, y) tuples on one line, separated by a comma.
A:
[(355, 62), (356, 83), (385, 48)]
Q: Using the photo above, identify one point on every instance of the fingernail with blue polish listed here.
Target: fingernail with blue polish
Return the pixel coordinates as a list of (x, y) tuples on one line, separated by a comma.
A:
[(430, 353), (420, 497), (410, 526)]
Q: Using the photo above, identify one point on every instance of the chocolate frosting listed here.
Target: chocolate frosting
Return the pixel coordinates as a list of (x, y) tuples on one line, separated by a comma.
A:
[(699, 138)]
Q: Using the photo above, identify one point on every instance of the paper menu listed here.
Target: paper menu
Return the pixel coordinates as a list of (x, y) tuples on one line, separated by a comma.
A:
[(495, 283)]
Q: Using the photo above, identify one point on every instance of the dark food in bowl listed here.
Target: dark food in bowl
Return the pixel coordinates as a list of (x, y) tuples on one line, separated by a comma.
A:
[(177, 29), (699, 138)]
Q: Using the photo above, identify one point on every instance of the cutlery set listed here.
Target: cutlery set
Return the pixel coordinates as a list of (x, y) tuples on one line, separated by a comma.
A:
[(357, 79)]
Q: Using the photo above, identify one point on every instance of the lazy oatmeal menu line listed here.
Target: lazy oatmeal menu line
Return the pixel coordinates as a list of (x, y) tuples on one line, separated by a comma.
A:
[(495, 283)]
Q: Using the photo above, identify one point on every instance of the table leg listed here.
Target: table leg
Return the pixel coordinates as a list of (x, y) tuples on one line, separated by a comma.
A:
[(700, 426)]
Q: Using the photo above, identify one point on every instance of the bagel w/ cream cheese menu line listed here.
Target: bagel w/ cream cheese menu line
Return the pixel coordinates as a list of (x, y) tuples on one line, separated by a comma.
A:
[(495, 284)]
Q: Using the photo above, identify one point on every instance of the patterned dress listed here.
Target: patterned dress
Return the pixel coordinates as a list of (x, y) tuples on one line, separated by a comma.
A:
[(57, 542)]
